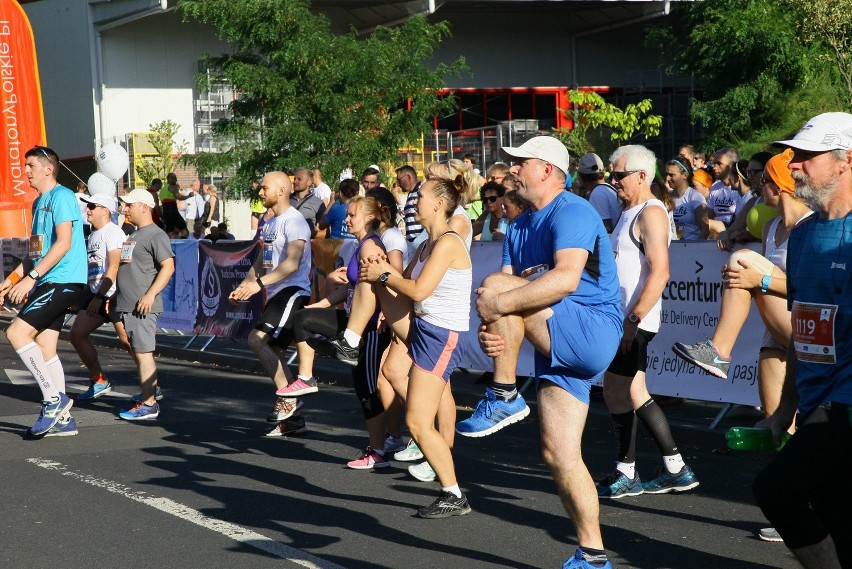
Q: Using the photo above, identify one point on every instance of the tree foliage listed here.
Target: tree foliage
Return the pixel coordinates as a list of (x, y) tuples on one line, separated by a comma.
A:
[(753, 67), (167, 152), (308, 97), (590, 111)]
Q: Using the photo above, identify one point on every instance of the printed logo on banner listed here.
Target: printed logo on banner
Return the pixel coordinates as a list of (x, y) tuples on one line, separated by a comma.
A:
[(211, 290)]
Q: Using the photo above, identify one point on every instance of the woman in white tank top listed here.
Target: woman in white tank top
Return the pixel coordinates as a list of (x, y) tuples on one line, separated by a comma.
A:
[(439, 285)]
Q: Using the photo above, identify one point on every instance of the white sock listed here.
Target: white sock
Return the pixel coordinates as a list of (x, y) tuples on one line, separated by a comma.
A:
[(34, 360), (351, 338), (304, 378), (57, 374), (673, 463), (626, 468), (454, 490)]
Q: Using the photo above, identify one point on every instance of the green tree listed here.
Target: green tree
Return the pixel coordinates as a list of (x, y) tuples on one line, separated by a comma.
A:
[(167, 152), (590, 111), (308, 97), (827, 24), (759, 79)]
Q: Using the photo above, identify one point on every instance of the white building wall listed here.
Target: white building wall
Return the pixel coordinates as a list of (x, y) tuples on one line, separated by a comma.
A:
[(149, 69)]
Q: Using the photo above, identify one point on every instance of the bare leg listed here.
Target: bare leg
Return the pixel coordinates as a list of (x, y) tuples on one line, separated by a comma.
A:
[(396, 368), (562, 420), (776, 317), (47, 341), (363, 307), (732, 315), (822, 555), (83, 326), (424, 396), (147, 377), (271, 363), (306, 359), (447, 416)]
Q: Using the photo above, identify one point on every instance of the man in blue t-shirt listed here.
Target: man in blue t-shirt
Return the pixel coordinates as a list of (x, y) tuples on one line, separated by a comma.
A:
[(334, 218), (51, 280), (803, 490), (558, 288)]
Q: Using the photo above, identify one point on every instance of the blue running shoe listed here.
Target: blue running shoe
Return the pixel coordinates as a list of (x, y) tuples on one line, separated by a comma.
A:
[(66, 427), (141, 412), (158, 395), (96, 389), (492, 414), (578, 562), (617, 485), (666, 482), (51, 412)]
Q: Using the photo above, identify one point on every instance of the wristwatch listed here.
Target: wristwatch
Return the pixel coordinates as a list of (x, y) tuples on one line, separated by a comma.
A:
[(383, 278), (633, 318), (764, 283), (33, 274)]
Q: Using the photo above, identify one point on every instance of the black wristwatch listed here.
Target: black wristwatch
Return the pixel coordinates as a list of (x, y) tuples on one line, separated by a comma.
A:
[(383, 278), (633, 318), (33, 274)]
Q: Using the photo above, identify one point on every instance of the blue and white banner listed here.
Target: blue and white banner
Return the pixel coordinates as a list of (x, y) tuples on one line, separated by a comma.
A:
[(180, 297), (691, 302)]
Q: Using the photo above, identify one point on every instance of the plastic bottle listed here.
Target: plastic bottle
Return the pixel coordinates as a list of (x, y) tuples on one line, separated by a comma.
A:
[(749, 438)]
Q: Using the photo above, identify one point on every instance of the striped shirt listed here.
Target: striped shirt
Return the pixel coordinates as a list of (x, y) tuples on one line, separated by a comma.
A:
[(409, 213)]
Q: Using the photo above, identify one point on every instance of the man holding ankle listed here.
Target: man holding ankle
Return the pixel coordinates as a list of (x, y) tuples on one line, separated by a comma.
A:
[(558, 288)]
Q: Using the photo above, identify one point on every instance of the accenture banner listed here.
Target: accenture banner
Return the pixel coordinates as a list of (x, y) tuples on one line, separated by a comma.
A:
[(221, 267), (22, 117)]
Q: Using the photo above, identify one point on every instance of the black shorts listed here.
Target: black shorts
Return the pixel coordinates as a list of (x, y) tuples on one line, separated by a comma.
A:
[(277, 319), (48, 304), (87, 297), (636, 359), (172, 217)]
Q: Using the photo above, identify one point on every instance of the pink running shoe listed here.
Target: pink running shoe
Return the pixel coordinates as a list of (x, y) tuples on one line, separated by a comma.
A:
[(298, 388), (368, 461)]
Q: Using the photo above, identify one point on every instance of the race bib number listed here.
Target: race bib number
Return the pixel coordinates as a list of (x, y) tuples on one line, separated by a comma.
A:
[(533, 273), (267, 256), (36, 245), (127, 251), (813, 332)]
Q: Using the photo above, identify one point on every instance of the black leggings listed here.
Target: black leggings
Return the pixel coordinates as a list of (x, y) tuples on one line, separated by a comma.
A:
[(365, 376), (803, 493)]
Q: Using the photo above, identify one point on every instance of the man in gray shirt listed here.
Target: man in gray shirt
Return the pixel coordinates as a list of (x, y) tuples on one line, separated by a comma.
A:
[(147, 264), (303, 199)]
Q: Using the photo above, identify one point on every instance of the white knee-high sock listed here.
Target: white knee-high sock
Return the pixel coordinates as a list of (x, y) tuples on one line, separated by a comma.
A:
[(57, 374), (34, 360)]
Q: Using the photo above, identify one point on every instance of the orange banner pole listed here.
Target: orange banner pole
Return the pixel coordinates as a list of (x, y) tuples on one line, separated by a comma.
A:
[(21, 117)]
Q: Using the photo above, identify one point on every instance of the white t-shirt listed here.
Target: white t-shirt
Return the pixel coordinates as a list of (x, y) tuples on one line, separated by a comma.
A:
[(278, 233), (684, 214), (101, 241), (394, 240), (722, 202), (322, 191), (605, 201)]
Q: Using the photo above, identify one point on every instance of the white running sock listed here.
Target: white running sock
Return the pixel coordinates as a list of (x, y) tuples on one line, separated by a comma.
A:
[(57, 374), (674, 463), (34, 360), (304, 378), (454, 490), (351, 338), (626, 468)]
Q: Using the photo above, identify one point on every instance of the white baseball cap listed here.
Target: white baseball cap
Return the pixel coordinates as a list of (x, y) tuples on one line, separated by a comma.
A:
[(828, 131), (102, 199), (139, 196), (545, 148)]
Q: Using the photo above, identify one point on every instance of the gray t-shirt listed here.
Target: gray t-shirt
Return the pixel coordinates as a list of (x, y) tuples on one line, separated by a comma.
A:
[(141, 255), (311, 207)]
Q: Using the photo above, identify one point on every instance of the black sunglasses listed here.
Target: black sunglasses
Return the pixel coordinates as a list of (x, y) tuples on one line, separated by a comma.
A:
[(490, 199), (621, 175), (93, 206)]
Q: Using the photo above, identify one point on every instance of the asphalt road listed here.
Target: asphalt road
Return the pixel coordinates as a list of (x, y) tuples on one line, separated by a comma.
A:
[(200, 487)]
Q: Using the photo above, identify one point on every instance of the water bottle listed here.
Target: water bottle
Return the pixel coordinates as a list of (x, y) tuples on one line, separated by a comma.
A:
[(749, 438)]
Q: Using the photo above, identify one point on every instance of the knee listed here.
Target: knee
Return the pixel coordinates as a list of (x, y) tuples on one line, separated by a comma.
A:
[(76, 336), (418, 425), (558, 459), (500, 282), (256, 340)]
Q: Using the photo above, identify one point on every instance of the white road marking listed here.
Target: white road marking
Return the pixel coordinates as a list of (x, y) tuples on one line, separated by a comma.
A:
[(232, 531), (20, 377)]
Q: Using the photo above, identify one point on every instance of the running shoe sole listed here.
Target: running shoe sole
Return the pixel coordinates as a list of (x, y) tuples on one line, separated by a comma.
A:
[(519, 416), (711, 369), (675, 489)]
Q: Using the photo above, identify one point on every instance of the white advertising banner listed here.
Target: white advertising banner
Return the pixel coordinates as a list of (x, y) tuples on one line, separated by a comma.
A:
[(180, 297), (691, 302)]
